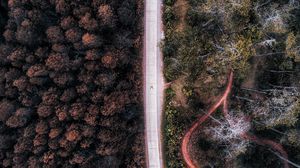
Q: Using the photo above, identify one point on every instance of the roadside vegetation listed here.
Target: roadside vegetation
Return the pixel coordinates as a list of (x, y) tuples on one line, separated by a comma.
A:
[(259, 41)]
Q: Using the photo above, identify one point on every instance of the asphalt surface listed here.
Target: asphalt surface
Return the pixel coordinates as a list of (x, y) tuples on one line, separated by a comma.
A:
[(153, 83)]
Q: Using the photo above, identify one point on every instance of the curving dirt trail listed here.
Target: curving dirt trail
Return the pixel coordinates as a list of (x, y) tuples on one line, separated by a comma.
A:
[(224, 101)]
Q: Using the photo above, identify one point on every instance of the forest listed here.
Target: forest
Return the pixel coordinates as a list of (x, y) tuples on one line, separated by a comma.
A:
[(257, 123), (70, 84)]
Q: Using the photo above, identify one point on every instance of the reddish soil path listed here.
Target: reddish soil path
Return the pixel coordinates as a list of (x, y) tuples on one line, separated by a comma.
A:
[(223, 101), (266, 142), (186, 138)]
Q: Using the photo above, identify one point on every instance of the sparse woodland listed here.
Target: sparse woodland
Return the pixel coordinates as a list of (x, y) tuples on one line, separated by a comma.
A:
[(70, 84), (259, 41)]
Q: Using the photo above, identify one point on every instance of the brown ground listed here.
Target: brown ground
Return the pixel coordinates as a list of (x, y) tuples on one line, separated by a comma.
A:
[(181, 7), (180, 99)]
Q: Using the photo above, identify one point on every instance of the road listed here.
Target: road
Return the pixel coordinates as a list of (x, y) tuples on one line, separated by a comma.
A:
[(153, 83)]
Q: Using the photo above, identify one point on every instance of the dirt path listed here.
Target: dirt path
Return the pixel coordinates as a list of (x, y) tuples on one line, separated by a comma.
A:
[(181, 8), (245, 135)]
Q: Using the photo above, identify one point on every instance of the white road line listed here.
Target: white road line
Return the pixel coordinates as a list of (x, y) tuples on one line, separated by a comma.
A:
[(153, 83)]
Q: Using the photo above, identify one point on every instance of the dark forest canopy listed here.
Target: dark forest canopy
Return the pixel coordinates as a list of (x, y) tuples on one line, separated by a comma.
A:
[(70, 83)]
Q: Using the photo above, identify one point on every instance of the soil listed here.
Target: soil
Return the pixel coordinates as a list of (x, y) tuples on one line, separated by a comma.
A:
[(180, 99), (181, 8)]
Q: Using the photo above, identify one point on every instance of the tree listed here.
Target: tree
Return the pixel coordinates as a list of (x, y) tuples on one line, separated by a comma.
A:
[(73, 35), (93, 54), (91, 40), (20, 118), (114, 102), (37, 71), (51, 97), (42, 127), (54, 79), (72, 135), (62, 7), (45, 111), (126, 14), (229, 134), (7, 108), (109, 60), (68, 95), (55, 132), (292, 49), (55, 34), (23, 145), (106, 15), (77, 110), (280, 109), (68, 23), (3, 17), (63, 79), (107, 149), (274, 22), (88, 22), (106, 80), (26, 34), (57, 62)]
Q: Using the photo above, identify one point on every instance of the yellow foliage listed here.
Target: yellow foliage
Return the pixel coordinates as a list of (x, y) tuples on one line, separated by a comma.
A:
[(293, 137), (292, 49), (239, 54), (244, 7), (290, 118)]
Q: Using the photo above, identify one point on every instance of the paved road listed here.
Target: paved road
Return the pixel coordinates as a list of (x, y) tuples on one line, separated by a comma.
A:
[(153, 86)]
